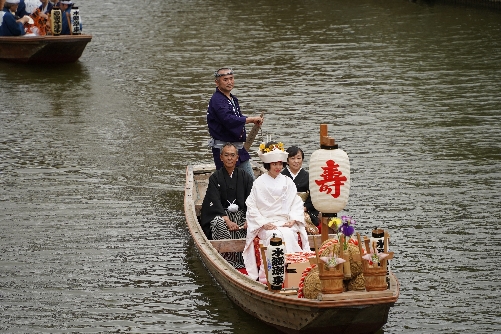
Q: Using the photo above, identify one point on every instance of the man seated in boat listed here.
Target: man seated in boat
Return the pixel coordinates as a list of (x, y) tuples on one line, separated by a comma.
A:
[(9, 26), (223, 208), (273, 208)]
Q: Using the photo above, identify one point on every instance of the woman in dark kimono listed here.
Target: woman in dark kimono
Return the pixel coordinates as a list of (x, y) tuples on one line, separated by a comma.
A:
[(295, 171)]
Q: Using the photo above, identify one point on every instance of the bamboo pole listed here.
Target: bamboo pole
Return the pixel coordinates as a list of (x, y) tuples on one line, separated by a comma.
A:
[(265, 265), (252, 134), (325, 228)]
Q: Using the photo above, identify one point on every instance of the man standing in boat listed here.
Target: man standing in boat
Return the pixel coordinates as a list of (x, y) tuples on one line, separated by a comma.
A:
[(226, 122), (223, 214)]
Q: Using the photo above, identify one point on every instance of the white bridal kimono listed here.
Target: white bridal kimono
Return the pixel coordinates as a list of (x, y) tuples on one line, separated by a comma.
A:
[(273, 200)]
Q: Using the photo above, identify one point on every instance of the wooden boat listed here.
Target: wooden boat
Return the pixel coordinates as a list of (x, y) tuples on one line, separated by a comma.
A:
[(349, 312), (43, 49)]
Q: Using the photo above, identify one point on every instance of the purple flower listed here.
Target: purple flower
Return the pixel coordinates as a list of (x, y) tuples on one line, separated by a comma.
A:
[(346, 227), (347, 230)]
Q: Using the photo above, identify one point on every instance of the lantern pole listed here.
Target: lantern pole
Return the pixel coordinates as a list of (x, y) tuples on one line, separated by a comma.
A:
[(323, 133), (329, 190), (265, 265), (326, 142)]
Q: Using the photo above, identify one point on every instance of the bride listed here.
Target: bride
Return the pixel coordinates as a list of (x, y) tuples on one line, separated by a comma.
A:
[(273, 208)]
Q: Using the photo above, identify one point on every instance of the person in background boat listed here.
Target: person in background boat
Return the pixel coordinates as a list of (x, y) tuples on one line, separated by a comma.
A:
[(55, 3), (21, 10), (39, 24), (27, 7), (294, 170), (226, 122), (223, 207), (65, 7), (9, 26), (273, 208), (46, 6)]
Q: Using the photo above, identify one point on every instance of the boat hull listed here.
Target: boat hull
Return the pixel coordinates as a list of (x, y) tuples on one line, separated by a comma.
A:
[(43, 49), (291, 318), (365, 314)]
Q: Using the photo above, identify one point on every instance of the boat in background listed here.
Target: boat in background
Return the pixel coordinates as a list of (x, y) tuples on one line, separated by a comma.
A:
[(349, 312), (43, 49)]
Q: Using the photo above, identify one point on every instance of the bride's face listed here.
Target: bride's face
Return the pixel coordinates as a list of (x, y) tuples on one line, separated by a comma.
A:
[(275, 168)]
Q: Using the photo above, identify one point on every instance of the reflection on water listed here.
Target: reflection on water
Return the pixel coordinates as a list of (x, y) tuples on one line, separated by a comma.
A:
[(93, 156), (61, 89)]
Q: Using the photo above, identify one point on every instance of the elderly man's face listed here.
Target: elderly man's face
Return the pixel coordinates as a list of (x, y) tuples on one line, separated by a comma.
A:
[(229, 156), (226, 82)]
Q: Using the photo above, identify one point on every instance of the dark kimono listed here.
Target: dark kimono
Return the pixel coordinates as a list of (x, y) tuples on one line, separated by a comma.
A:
[(302, 182), (221, 192)]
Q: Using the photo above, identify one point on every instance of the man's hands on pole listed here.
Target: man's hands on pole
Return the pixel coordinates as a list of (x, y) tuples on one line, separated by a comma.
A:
[(258, 120)]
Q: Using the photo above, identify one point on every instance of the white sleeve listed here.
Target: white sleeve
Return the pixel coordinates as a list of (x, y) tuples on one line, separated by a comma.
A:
[(255, 220)]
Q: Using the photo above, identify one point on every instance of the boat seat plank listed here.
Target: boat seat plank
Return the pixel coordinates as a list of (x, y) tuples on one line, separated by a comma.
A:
[(228, 245), (202, 169)]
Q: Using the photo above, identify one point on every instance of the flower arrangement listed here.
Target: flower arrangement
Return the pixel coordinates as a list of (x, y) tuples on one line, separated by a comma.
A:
[(332, 261), (343, 226), (374, 257), (271, 147)]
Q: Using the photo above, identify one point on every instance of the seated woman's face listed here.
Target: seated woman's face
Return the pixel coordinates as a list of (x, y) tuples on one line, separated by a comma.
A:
[(295, 162)]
